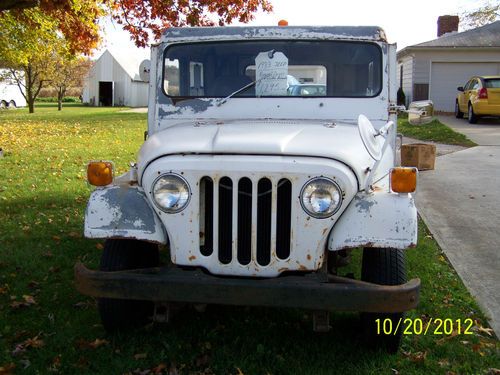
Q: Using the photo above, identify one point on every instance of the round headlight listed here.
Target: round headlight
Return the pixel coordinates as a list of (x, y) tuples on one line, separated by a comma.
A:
[(171, 193), (321, 197)]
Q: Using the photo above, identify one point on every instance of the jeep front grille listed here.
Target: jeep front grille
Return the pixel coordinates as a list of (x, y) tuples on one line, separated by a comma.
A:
[(239, 206)]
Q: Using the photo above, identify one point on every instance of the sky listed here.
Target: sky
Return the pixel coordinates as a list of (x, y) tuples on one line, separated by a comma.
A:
[(406, 22)]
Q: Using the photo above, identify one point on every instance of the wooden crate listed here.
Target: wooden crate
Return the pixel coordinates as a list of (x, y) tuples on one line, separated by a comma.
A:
[(420, 155)]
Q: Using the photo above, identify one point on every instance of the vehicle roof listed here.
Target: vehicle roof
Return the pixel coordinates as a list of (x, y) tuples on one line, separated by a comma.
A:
[(195, 34), (486, 77)]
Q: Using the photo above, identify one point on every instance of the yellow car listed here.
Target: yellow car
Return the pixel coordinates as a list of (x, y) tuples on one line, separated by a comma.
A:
[(479, 97)]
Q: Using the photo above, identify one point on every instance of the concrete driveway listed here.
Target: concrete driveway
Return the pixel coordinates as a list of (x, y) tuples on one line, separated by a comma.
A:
[(460, 203)]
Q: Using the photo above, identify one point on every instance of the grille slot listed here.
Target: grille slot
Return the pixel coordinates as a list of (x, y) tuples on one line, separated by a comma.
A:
[(284, 218), (244, 220), (206, 216), (264, 202), (236, 219), (225, 219)]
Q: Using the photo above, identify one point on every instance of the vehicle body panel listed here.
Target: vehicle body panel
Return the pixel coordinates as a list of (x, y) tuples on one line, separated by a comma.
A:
[(122, 212), (481, 106)]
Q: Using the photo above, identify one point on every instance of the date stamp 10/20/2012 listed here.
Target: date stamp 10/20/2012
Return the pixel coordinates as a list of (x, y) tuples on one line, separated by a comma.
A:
[(431, 326)]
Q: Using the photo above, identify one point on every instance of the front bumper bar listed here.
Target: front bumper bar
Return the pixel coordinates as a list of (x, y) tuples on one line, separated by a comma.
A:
[(173, 284)]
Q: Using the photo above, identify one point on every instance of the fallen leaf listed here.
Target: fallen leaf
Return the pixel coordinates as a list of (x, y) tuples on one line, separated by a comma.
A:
[(443, 363), (74, 234), (56, 238), (493, 371), (99, 246), (98, 343), (159, 369), (7, 369), (140, 356), (416, 357), (239, 371), (488, 331)]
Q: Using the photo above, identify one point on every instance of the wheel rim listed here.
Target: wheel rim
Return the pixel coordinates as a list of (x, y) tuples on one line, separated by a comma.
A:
[(12, 104), (470, 112)]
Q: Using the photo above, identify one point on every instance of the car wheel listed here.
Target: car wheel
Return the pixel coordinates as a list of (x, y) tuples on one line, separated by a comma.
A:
[(458, 113), (385, 267), (3, 104), (12, 105), (119, 255), (471, 116)]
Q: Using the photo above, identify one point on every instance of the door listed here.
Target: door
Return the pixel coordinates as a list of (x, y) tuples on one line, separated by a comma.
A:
[(447, 76), (106, 94)]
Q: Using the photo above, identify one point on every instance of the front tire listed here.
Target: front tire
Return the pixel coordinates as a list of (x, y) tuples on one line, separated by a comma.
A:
[(471, 116), (458, 113), (385, 267), (120, 255)]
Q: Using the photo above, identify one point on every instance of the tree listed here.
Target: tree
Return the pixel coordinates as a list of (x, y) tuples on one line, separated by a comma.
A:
[(75, 19), (487, 13), (143, 19), (68, 71), (27, 48)]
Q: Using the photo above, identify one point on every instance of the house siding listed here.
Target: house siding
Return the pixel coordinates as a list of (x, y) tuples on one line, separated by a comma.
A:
[(422, 60), (407, 84)]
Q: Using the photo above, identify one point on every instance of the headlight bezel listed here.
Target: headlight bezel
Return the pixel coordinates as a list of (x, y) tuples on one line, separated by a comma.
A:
[(169, 210), (319, 215)]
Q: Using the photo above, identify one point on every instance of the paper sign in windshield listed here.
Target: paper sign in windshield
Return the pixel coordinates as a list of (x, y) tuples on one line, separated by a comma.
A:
[(271, 74)]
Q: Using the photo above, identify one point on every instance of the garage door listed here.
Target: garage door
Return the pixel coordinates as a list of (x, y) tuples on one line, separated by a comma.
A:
[(446, 77)]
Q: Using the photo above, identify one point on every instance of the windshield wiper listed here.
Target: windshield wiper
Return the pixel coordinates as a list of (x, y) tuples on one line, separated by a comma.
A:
[(236, 92)]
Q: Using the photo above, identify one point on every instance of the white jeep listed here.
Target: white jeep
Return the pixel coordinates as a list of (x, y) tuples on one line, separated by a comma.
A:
[(257, 190)]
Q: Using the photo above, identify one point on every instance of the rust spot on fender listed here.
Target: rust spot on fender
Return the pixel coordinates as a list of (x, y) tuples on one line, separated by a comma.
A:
[(192, 257), (308, 257)]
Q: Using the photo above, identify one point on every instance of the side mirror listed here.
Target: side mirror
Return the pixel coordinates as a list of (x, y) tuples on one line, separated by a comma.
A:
[(144, 69), (460, 88), (420, 112)]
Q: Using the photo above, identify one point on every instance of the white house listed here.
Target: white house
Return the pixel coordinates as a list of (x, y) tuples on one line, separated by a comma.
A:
[(114, 81), (434, 69)]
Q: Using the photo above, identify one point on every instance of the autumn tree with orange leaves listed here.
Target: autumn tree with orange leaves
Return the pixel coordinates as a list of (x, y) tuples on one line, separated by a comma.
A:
[(143, 19)]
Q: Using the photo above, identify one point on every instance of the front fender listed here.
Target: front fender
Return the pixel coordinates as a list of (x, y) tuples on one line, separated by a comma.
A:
[(122, 212), (378, 219)]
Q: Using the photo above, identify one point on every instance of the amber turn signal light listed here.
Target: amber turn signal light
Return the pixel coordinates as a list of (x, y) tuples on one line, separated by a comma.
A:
[(403, 180), (100, 173), (282, 23)]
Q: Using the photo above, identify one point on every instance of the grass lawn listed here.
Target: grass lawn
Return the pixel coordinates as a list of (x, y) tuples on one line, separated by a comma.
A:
[(435, 131), (46, 326)]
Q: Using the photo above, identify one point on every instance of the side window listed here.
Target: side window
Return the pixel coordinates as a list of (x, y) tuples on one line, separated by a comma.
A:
[(172, 77), (475, 85), (468, 85)]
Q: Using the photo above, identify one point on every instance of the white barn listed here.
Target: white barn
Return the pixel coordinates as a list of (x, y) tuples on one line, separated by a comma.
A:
[(114, 80)]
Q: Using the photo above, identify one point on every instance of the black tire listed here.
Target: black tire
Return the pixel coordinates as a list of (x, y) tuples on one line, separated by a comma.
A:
[(458, 113), (384, 267), (471, 116), (3, 104), (119, 255)]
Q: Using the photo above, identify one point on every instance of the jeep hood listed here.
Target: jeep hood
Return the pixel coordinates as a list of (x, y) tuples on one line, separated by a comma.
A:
[(340, 142)]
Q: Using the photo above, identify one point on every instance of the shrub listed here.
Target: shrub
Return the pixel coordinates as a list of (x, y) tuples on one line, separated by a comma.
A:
[(401, 97)]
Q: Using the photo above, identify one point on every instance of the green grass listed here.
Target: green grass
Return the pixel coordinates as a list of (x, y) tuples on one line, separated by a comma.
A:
[(435, 131), (42, 199)]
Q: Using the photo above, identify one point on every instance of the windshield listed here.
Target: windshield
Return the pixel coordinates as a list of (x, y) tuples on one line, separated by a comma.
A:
[(278, 68)]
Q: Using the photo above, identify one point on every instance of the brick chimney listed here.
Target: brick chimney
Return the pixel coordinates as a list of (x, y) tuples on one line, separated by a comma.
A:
[(447, 24)]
